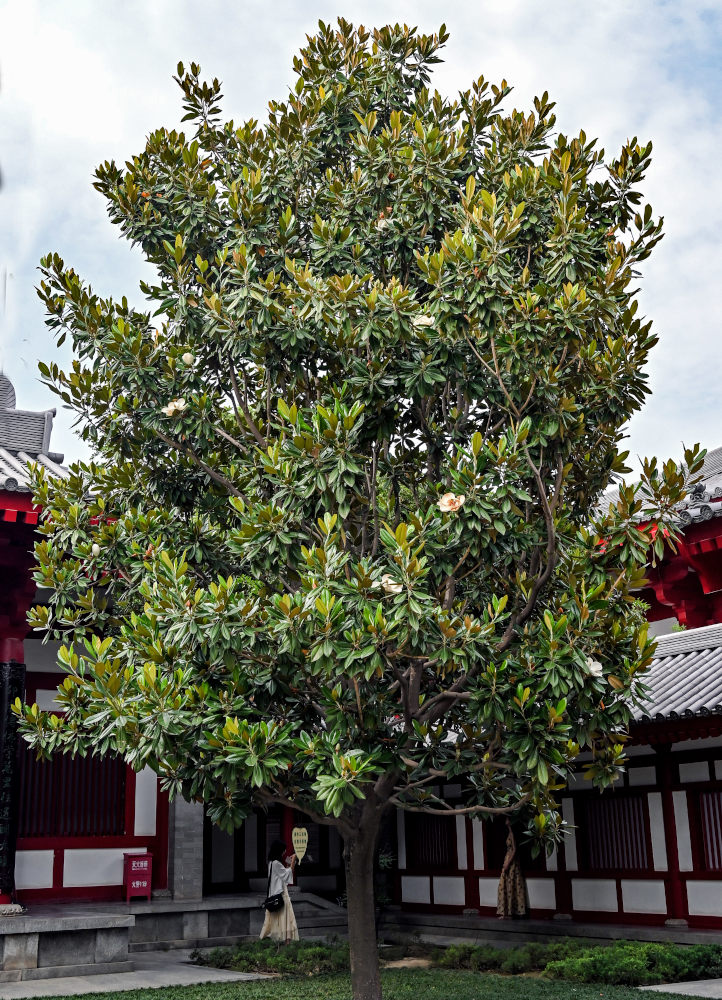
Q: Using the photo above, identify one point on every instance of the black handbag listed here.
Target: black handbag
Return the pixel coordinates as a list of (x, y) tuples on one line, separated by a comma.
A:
[(272, 904)]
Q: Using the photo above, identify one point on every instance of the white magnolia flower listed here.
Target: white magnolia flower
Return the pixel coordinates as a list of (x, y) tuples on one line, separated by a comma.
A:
[(188, 358), (381, 223), (423, 320), (175, 406), (95, 549), (390, 585), (594, 668), (450, 503)]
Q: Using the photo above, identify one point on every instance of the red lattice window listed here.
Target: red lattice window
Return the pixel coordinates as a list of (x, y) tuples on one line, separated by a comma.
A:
[(66, 797), (430, 841), (613, 831)]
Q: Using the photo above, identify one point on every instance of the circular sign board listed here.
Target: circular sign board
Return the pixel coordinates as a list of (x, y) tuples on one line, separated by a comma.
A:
[(299, 839)]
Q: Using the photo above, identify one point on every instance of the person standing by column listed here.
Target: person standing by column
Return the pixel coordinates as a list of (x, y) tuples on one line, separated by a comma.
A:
[(281, 925)]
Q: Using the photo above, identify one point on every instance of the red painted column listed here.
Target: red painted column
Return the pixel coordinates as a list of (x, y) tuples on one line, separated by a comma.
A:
[(673, 883), (17, 591)]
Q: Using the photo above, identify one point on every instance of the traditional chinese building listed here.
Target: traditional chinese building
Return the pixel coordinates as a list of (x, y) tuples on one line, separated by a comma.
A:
[(648, 852)]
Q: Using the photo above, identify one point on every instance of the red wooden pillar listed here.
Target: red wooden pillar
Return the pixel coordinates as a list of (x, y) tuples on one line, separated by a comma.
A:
[(16, 595), (673, 883)]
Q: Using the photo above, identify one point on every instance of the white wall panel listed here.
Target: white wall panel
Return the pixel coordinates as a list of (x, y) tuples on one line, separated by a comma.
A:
[(642, 775), (103, 866), (681, 821), (449, 891), (705, 898), (718, 770), (415, 889), (656, 831), (488, 891), (643, 896), (34, 869), (595, 894), (542, 894), (697, 770), (570, 839), (146, 797), (552, 861)]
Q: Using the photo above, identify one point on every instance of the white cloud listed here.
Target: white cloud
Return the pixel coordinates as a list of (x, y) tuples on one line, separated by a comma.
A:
[(83, 82)]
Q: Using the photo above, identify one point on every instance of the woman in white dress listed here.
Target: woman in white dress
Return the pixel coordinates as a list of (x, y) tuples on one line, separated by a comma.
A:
[(281, 925)]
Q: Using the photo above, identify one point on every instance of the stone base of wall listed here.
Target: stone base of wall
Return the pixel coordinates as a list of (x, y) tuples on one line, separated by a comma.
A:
[(47, 945), (457, 928), (91, 938)]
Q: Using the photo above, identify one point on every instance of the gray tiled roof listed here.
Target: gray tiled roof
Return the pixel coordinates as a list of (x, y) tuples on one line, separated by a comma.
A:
[(15, 468), (24, 440), (685, 678), (706, 504)]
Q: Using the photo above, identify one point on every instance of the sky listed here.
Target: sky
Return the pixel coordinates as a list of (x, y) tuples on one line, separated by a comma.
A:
[(83, 81)]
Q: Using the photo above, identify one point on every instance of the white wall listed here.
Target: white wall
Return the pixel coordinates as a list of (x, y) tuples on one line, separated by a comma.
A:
[(146, 798), (91, 866), (34, 869)]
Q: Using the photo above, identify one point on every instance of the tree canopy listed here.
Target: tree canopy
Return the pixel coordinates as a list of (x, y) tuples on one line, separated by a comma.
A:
[(343, 536)]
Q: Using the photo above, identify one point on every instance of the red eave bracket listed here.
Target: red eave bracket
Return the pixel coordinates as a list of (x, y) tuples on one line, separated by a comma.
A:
[(18, 508)]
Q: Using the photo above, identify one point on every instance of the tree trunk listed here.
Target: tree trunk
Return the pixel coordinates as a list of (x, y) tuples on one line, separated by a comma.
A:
[(359, 856)]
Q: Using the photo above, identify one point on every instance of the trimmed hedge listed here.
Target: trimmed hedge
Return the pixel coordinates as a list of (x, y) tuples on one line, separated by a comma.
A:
[(299, 958), (622, 963)]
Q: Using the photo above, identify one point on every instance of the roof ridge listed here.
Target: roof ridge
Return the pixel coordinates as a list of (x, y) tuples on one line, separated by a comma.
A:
[(689, 640)]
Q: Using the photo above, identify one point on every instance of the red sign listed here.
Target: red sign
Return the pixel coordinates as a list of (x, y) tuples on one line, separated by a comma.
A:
[(137, 875)]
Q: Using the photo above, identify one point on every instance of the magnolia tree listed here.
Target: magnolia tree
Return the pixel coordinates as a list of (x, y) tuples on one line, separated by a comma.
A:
[(341, 539)]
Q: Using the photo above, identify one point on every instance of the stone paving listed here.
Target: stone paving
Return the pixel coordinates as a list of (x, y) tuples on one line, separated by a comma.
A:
[(699, 988), (152, 970)]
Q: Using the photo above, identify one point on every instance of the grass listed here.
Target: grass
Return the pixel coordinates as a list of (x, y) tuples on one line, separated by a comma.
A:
[(407, 984)]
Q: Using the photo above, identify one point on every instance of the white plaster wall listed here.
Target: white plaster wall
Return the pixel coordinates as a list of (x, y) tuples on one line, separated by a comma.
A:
[(642, 775), (42, 656), (34, 869), (488, 891), (552, 861), (595, 894), (643, 896), (697, 770), (681, 821), (461, 854), (707, 741), (570, 840), (415, 889), (102, 866), (401, 836), (542, 894), (656, 831), (452, 791), (146, 797), (477, 830), (47, 699), (718, 770), (705, 898), (449, 891), (576, 780)]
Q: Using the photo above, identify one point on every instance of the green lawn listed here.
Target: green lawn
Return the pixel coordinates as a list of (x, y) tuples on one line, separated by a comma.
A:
[(416, 984)]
